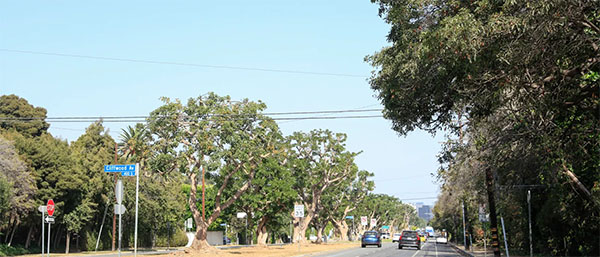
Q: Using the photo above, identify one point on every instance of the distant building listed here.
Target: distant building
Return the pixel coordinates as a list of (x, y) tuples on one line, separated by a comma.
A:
[(424, 211)]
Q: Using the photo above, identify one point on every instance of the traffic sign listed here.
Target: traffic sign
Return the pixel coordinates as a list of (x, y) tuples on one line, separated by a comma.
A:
[(119, 168), (350, 217), (363, 220), (119, 191), (119, 209), (50, 207), (385, 227), (42, 208), (189, 223), (373, 222), (49, 219), (129, 173), (299, 211), (241, 215)]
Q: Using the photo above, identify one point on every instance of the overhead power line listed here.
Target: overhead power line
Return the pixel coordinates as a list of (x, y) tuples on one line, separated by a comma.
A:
[(183, 64), (142, 118)]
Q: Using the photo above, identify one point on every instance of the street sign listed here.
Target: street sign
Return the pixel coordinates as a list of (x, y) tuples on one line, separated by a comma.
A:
[(350, 217), (50, 207), (385, 227), (363, 220), (42, 208), (129, 173), (373, 222), (119, 209), (299, 211), (189, 223), (241, 215), (119, 191), (119, 168), (49, 219)]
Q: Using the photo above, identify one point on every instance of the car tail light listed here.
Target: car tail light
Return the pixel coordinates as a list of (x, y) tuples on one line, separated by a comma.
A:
[(400, 238)]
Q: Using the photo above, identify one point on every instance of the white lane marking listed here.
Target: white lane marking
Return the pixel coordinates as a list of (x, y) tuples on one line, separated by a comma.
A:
[(416, 252), (436, 254)]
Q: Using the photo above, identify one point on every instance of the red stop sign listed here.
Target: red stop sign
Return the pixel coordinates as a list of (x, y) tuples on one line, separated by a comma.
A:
[(50, 207)]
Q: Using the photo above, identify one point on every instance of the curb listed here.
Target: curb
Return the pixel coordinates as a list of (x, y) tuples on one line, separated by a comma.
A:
[(461, 251)]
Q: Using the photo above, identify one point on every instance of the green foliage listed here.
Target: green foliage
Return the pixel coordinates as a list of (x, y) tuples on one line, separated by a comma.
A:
[(6, 250), (524, 75), (22, 117)]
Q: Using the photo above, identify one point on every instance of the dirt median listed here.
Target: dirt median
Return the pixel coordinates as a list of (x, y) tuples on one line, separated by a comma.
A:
[(268, 251)]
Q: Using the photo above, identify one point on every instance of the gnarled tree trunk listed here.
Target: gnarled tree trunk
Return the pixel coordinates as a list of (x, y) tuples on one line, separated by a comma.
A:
[(261, 232), (341, 228), (300, 226), (68, 242)]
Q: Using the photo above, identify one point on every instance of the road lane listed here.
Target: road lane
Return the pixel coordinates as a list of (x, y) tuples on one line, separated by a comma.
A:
[(429, 249)]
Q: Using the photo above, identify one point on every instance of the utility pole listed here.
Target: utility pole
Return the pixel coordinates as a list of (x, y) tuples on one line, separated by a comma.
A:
[(114, 230), (489, 181)]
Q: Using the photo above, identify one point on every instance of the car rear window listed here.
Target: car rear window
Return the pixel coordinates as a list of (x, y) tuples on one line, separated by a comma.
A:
[(397, 234), (371, 234), (409, 233)]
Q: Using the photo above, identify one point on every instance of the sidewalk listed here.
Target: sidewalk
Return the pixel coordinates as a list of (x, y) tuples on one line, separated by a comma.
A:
[(474, 252)]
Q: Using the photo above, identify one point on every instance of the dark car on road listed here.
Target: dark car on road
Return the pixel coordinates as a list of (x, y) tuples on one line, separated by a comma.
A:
[(371, 238), (409, 238)]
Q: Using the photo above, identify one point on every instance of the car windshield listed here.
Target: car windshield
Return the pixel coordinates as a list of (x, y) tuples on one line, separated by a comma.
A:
[(371, 234), (409, 233)]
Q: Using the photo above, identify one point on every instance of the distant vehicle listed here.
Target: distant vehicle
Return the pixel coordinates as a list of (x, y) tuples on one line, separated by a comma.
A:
[(441, 240), (422, 236), (370, 238), (409, 238), (385, 235), (226, 240), (396, 237), (429, 231), (312, 238)]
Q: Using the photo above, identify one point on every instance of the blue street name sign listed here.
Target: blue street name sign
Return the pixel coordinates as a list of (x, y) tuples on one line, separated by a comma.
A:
[(128, 173), (350, 217), (385, 227), (119, 168)]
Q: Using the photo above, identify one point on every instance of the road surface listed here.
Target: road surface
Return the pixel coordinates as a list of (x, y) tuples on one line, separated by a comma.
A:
[(429, 249)]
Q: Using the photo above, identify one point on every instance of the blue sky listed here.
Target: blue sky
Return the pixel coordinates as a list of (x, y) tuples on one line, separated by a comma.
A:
[(316, 36)]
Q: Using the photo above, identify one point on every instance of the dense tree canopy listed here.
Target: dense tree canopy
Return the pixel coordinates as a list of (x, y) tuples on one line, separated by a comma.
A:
[(518, 82), (16, 113)]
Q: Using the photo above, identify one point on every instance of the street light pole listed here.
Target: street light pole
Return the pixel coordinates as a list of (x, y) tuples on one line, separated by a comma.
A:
[(530, 236)]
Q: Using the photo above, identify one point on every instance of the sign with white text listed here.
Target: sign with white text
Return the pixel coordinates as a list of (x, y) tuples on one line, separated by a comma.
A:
[(299, 211)]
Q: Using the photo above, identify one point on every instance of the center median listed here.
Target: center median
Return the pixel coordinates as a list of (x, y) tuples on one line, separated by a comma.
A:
[(270, 251)]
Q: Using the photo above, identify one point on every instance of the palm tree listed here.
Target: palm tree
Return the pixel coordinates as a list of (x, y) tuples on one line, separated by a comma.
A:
[(135, 144)]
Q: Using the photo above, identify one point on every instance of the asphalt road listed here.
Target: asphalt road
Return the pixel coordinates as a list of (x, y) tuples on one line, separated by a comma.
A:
[(429, 249)]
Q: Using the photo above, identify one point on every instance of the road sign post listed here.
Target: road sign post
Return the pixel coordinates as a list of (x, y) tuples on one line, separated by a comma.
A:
[(42, 209), (299, 213), (137, 190), (118, 209), (50, 211), (128, 170)]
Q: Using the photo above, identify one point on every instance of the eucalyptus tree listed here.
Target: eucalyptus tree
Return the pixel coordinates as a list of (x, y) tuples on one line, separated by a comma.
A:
[(319, 162), (16, 192), (343, 200), (270, 194), (212, 136)]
